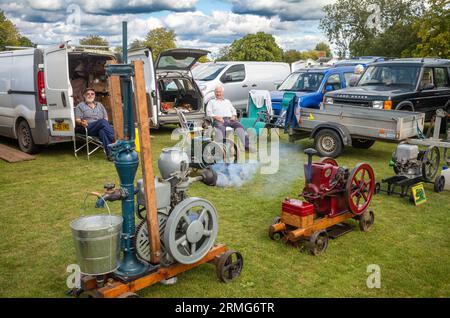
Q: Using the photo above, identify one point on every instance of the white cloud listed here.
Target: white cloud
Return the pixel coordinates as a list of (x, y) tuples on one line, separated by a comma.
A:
[(291, 10), (194, 29)]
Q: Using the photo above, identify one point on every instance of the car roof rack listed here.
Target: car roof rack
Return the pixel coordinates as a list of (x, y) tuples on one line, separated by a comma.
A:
[(10, 47)]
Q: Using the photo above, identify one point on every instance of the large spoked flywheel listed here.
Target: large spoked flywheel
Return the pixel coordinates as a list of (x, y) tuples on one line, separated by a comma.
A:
[(360, 188), (430, 163), (142, 242), (191, 230)]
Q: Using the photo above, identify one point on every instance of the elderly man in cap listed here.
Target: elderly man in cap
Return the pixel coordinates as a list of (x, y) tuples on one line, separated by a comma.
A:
[(224, 115), (93, 116)]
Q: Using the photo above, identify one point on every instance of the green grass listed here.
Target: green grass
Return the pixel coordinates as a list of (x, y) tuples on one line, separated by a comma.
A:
[(411, 245)]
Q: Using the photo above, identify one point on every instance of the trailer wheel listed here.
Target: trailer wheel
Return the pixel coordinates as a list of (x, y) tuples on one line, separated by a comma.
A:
[(25, 139), (439, 184), (328, 143), (362, 143)]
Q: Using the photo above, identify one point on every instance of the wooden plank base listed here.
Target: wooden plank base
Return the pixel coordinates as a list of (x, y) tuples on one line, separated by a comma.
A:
[(319, 224), (116, 288), (13, 155)]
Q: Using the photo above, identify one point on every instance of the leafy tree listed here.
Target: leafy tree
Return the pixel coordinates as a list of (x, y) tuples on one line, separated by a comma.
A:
[(224, 54), (160, 39), (322, 46), (255, 47), (137, 44), (9, 36), (94, 40), (291, 56), (354, 28), (204, 59), (433, 30)]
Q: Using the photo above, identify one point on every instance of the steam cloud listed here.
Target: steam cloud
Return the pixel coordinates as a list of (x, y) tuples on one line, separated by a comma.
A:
[(235, 174)]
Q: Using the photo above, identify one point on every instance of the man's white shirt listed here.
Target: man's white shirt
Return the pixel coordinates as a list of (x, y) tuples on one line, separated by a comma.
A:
[(220, 107)]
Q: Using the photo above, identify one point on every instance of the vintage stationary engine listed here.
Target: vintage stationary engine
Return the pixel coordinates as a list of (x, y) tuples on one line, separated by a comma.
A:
[(188, 225), (411, 162), (332, 194), (333, 190)]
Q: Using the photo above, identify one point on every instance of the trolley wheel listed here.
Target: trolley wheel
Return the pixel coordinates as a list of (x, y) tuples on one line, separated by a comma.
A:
[(439, 184), (128, 295), (229, 266), (377, 188), (318, 243), (362, 143), (277, 235), (366, 221), (328, 143)]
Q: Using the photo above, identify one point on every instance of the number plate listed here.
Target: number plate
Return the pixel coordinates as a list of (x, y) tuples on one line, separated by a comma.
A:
[(61, 127)]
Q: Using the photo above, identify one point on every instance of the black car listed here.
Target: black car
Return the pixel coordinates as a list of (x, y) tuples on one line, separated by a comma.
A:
[(415, 84)]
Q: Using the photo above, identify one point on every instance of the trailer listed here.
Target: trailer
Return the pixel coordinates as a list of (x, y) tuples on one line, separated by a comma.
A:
[(334, 126)]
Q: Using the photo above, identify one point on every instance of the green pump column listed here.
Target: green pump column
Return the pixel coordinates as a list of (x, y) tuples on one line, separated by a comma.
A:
[(127, 161)]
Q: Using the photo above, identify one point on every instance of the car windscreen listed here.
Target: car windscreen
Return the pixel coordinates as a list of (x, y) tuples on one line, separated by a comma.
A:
[(388, 75), (302, 81), (207, 72)]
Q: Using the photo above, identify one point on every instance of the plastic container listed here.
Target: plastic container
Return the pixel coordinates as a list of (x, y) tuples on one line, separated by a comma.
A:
[(446, 173)]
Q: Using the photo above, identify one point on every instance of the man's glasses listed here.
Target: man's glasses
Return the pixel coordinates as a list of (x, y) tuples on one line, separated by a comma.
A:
[(90, 94)]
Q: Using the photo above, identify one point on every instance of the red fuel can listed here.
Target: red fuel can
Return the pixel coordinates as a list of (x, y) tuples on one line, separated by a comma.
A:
[(297, 207)]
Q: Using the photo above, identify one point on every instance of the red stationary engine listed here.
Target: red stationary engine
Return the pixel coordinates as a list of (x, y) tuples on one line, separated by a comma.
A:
[(333, 190), (331, 195)]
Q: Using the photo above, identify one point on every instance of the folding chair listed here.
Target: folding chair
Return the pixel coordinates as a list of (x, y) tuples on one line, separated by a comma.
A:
[(91, 143)]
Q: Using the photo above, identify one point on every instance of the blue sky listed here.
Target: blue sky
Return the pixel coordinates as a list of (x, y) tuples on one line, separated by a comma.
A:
[(197, 23)]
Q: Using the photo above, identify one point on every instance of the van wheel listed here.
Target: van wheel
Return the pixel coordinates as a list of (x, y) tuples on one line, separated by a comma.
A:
[(328, 143), (362, 143), (25, 139)]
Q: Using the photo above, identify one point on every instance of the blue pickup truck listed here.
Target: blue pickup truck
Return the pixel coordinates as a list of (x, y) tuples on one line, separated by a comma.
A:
[(311, 84)]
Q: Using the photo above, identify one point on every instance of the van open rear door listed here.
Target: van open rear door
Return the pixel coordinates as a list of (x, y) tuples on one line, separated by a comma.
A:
[(145, 55), (58, 91)]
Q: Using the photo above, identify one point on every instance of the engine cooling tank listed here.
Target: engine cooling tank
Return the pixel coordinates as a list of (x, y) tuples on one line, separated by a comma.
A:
[(170, 161)]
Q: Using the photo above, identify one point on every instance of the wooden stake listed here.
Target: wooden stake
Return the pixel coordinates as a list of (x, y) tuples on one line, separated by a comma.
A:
[(115, 96), (142, 119)]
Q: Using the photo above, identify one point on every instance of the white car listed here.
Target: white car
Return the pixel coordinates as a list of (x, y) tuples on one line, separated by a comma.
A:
[(238, 78)]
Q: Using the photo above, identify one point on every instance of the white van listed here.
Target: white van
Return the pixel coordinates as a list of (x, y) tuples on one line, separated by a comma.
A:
[(238, 78), (37, 95)]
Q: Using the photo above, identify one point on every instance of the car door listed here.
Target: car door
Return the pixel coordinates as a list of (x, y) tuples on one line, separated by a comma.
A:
[(58, 91), (145, 55), (442, 84), (425, 101), (236, 86)]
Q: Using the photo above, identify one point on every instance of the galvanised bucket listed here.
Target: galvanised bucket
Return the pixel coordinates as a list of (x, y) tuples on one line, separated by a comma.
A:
[(97, 242)]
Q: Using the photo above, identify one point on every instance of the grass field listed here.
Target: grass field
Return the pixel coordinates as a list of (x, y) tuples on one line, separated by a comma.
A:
[(39, 198)]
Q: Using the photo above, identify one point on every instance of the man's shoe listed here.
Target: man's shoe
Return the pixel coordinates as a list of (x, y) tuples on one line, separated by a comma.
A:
[(110, 158)]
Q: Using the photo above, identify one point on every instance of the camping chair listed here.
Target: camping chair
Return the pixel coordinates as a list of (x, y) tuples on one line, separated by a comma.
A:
[(91, 143), (257, 117)]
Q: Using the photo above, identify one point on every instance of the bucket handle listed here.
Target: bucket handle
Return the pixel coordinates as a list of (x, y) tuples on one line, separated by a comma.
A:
[(97, 195)]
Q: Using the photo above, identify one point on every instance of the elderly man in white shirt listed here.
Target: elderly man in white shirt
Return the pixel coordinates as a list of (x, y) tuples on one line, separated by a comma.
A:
[(224, 115)]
